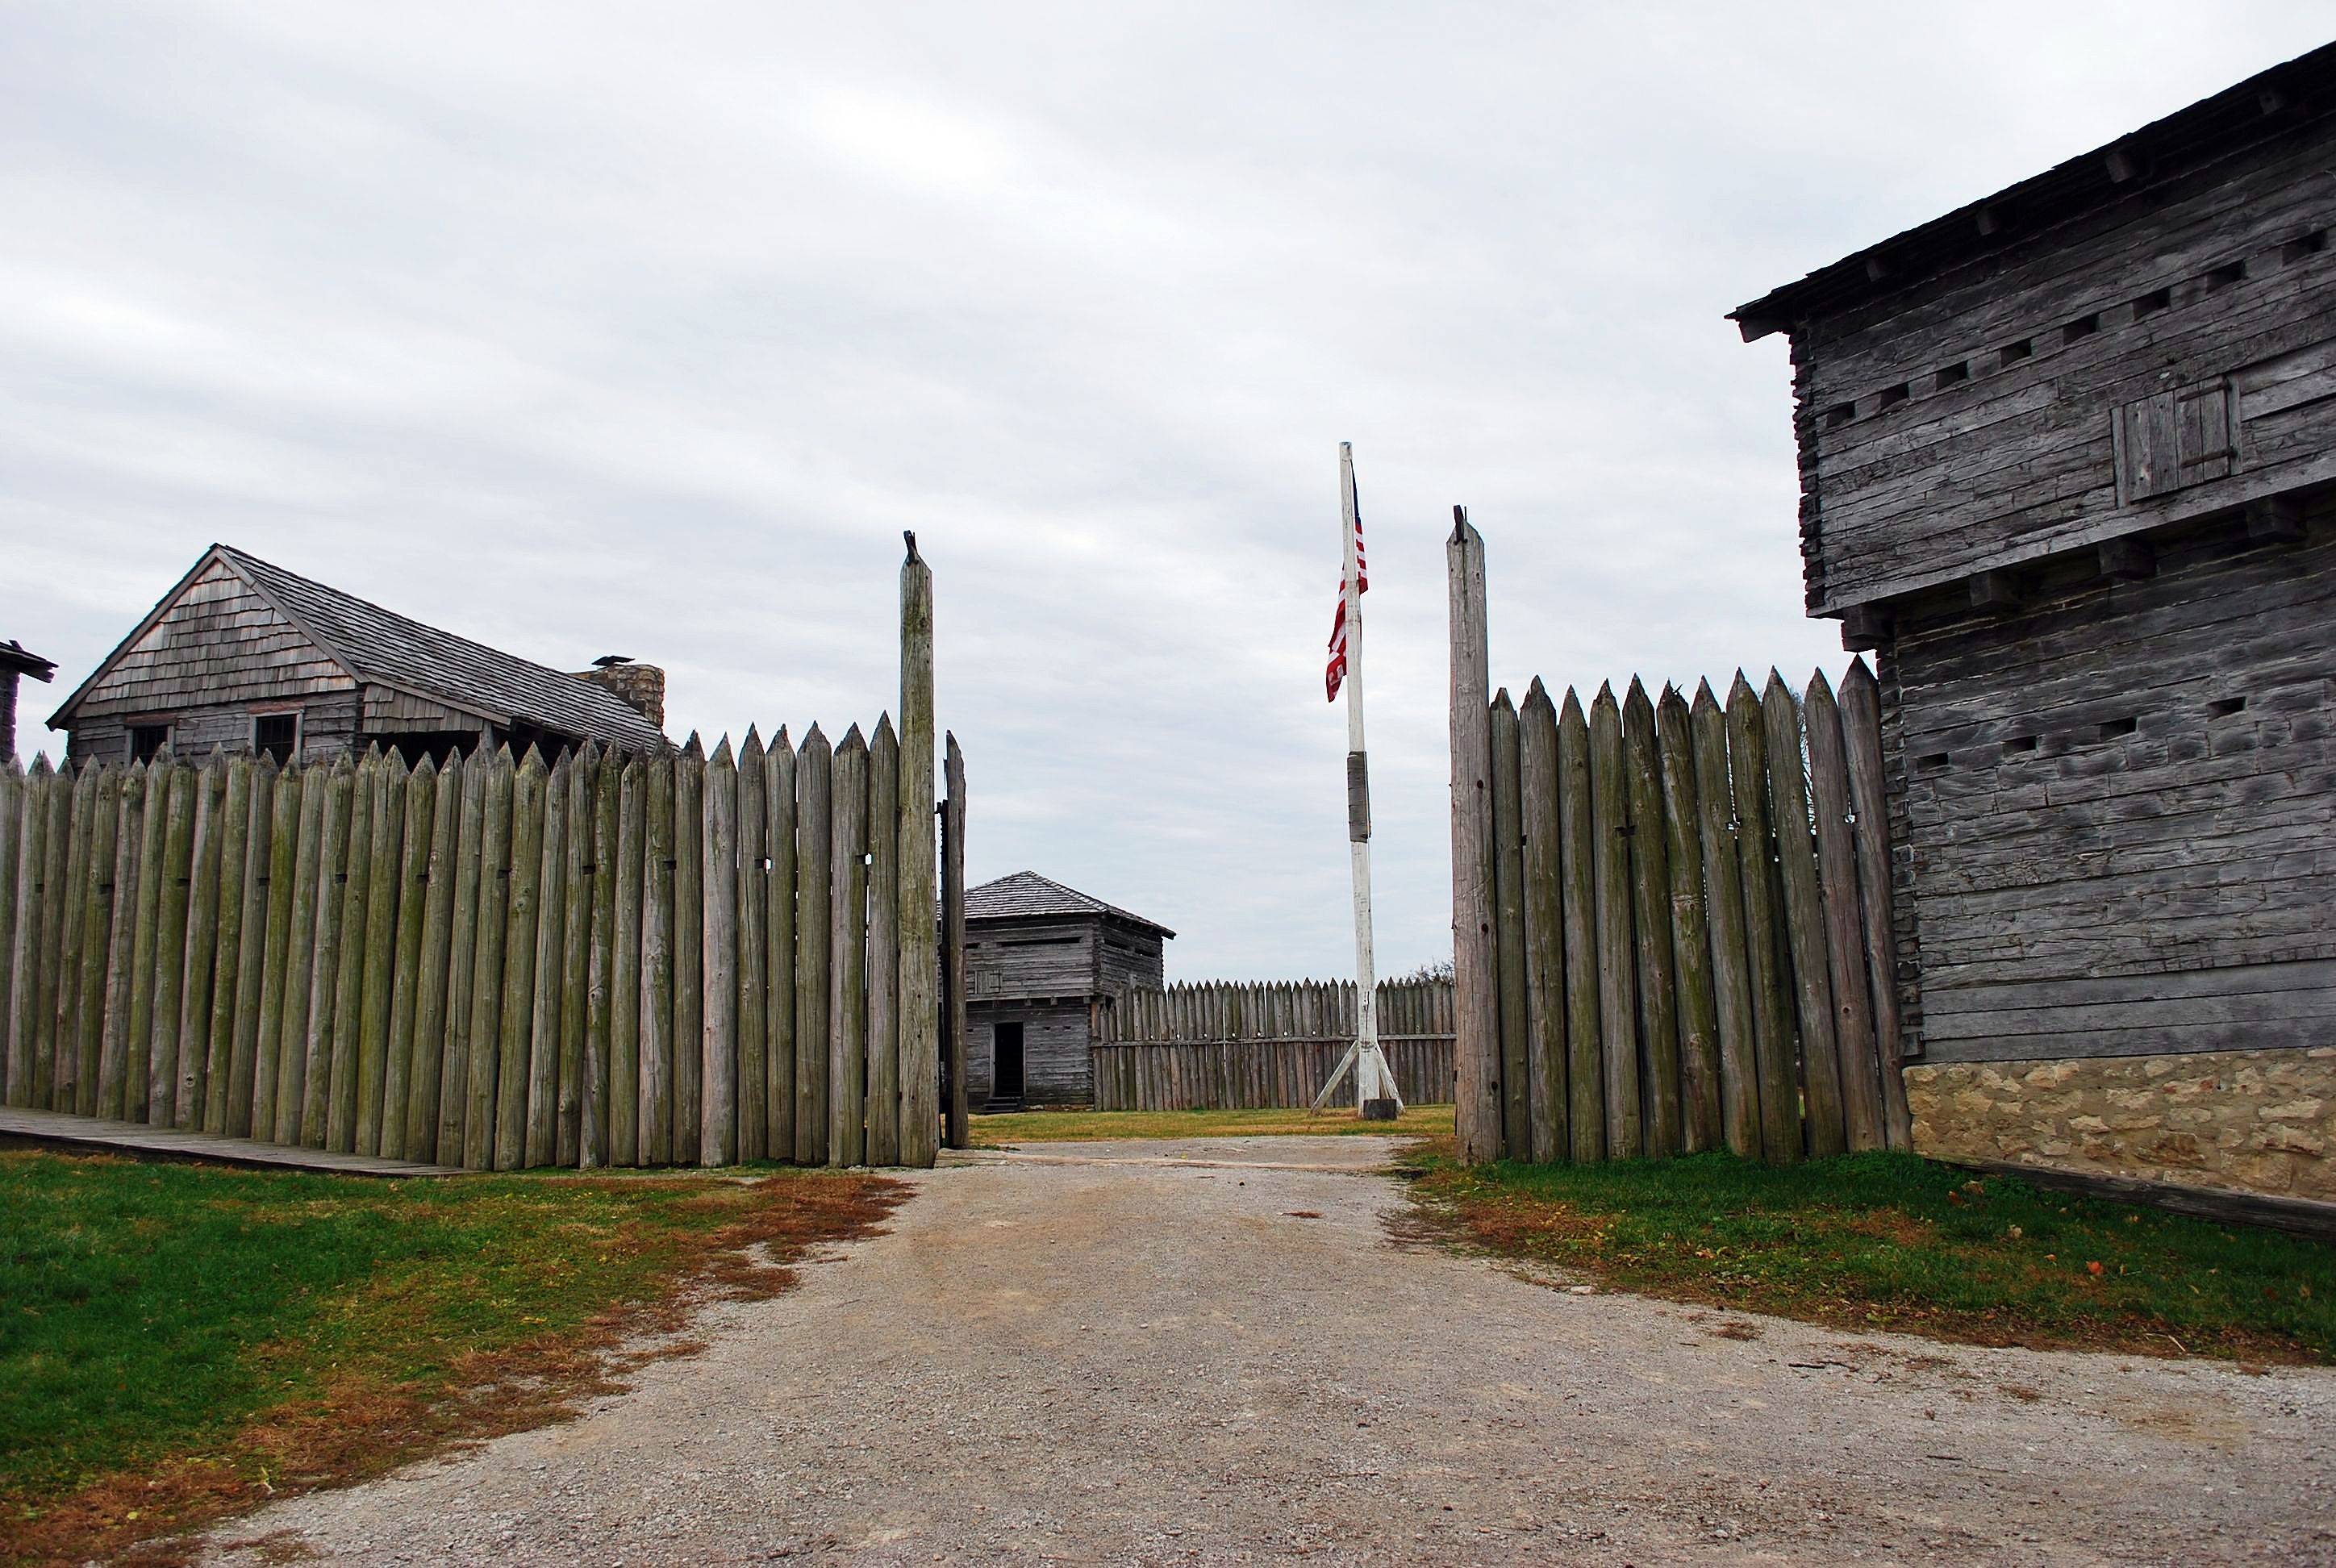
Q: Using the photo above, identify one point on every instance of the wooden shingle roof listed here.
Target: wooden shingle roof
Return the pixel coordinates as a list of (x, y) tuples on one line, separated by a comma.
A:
[(377, 647), (1026, 895)]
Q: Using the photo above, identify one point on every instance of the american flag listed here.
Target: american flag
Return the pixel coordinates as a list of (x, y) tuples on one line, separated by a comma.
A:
[(1336, 670)]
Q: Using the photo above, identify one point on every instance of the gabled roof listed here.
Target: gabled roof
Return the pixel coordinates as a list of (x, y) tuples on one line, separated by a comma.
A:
[(1026, 895), (381, 648), (2271, 104)]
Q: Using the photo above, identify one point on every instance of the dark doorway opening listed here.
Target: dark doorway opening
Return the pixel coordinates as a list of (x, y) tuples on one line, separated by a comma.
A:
[(1006, 1063)]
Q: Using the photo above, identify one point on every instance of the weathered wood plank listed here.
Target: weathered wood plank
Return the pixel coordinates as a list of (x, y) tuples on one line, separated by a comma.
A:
[(918, 876), (1618, 1001), (472, 875), (1577, 833), (1774, 1045), (594, 1143), (61, 988), (1544, 899), (259, 983), (26, 889), (400, 1071), (688, 953), (628, 986), (233, 900), (1731, 981), (1861, 718), (129, 985), (1853, 1010), (883, 983), (847, 1007), (499, 860), (754, 940), (953, 1023), (718, 1039), (574, 998), (378, 957), (1699, 1028), (328, 1117), (540, 1124), (1511, 1010), (434, 995), (309, 879), (1820, 1099), (199, 959), (815, 902), (13, 822), (656, 1129), (1476, 1055), (779, 950), (515, 1018), (1650, 889)]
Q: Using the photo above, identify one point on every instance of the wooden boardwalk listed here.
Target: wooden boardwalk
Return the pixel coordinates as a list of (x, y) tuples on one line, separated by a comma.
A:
[(57, 1129)]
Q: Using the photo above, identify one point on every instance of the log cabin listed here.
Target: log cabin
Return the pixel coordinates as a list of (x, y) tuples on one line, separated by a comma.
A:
[(246, 656), (1043, 961), (2067, 467)]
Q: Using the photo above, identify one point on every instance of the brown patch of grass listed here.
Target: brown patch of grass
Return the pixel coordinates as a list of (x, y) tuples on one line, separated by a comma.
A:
[(1736, 1328), (359, 1425)]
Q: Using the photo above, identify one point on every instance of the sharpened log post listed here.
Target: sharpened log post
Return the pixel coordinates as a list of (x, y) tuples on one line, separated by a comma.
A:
[(1476, 1045), (916, 873)]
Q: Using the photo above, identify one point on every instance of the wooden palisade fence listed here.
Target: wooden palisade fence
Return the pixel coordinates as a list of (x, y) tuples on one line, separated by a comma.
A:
[(1211, 1046), (1672, 919), (647, 960)]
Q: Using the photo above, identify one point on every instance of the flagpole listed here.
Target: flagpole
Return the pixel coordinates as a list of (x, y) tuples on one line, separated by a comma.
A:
[(1375, 1091)]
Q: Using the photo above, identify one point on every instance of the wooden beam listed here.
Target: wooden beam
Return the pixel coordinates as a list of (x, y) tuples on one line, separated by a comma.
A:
[(1996, 591), (2128, 559), (2275, 520), (1865, 627)]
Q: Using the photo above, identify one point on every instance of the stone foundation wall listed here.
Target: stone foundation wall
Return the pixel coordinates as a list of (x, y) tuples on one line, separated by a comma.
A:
[(2257, 1121)]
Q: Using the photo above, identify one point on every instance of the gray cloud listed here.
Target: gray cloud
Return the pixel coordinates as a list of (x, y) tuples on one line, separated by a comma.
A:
[(586, 329)]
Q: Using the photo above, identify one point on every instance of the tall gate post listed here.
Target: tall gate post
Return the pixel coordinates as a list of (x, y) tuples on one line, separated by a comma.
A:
[(1476, 1045), (953, 945)]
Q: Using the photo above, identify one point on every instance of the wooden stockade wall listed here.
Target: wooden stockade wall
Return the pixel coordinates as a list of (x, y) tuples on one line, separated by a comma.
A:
[(1212, 1046), (1671, 920), (614, 959)]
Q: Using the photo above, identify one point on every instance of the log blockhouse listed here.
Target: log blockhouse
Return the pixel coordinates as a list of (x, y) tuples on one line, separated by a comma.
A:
[(248, 657), (2068, 462), (1043, 963)]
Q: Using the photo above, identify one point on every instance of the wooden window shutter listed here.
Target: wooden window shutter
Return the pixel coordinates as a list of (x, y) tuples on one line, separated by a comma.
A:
[(2171, 440)]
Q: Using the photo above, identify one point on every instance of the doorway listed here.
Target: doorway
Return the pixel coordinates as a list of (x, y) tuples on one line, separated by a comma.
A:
[(1006, 1063)]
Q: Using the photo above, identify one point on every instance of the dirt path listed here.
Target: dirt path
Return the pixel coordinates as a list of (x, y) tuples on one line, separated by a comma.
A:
[(1215, 1351)]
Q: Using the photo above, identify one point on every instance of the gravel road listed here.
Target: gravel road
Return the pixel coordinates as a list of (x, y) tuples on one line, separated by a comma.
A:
[(1225, 1352)]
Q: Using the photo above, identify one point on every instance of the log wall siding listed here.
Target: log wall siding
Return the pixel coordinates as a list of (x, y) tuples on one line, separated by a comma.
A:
[(1055, 1045), (464, 965), (1704, 916), (1211, 1046), (2119, 812), (1970, 420)]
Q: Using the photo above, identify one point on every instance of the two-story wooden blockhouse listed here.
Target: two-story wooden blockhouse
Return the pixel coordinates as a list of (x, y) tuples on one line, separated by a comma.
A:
[(246, 656), (1042, 963), (2066, 460)]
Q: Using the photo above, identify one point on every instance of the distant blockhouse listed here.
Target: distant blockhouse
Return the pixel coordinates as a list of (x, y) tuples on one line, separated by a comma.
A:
[(1044, 962), (2067, 463)]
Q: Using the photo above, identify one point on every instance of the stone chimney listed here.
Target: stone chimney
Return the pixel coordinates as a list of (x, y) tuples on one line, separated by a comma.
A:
[(642, 685)]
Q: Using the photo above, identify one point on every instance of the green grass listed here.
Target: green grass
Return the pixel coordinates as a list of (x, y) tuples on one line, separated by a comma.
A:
[(1005, 1130), (1887, 1241), (152, 1315)]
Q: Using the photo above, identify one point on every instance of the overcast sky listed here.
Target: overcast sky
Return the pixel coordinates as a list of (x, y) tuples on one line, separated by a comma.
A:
[(584, 330)]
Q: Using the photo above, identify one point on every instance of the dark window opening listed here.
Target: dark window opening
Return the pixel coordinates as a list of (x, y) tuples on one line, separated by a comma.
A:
[(2018, 744), (2150, 303), (2014, 352), (2295, 250), (2223, 708), (2083, 327), (437, 744), (1039, 941), (550, 743), (1839, 415), (1931, 761), (2117, 728), (1953, 374), (148, 739), (2223, 276), (1892, 397), (1006, 1061), (278, 735)]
